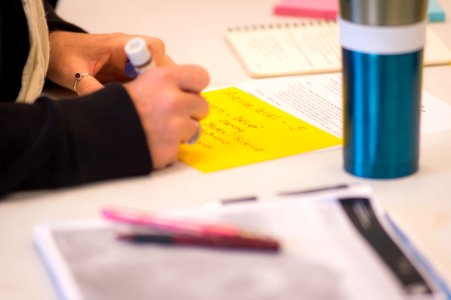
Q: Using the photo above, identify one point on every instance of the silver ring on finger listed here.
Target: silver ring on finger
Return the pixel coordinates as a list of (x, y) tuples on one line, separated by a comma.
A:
[(77, 78)]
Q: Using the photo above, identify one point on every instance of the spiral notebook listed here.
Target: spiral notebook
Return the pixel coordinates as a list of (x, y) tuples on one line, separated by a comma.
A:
[(304, 47)]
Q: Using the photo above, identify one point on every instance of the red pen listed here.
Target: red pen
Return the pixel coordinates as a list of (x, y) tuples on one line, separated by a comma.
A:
[(239, 242), (183, 231)]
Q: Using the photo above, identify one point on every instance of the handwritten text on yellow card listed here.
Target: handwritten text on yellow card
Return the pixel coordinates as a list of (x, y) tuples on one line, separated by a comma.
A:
[(242, 129)]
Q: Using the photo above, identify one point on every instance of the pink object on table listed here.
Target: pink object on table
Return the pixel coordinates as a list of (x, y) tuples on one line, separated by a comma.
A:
[(326, 9)]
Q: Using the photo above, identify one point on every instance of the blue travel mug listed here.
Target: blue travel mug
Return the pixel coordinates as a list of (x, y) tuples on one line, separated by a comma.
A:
[(382, 55)]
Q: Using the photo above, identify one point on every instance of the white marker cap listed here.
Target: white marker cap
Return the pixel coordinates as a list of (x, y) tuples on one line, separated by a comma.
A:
[(137, 52)]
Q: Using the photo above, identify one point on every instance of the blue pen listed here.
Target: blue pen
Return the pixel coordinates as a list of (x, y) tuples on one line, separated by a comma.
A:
[(139, 57)]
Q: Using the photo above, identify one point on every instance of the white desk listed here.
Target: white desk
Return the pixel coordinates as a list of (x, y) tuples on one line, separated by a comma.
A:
[(194, 33)]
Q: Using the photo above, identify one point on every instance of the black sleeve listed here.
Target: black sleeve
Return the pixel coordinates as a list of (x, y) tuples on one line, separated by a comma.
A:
[(51, 144)]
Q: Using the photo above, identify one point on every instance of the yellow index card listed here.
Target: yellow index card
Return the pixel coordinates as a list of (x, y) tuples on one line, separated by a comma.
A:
[(242, 129)]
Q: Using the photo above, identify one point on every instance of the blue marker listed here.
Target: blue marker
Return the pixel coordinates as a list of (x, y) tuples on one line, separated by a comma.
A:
[(139, 57)]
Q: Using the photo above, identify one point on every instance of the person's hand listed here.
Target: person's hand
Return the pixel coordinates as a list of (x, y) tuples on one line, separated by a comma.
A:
[(169, 105), (101, 55)]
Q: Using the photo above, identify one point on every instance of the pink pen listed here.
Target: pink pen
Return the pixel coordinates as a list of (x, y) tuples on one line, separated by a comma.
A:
[(173, 225)]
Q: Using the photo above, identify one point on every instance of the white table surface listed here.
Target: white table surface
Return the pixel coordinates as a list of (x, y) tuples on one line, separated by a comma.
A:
[(194, 33)]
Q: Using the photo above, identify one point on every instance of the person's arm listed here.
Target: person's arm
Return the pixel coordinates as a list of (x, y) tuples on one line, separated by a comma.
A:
[(117, 131), (53, 144)]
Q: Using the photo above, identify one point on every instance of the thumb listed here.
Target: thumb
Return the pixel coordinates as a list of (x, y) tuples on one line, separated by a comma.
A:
[(87, 85)]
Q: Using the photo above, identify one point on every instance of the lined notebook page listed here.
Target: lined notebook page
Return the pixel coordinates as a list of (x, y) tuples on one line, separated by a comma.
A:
[(304, 47)]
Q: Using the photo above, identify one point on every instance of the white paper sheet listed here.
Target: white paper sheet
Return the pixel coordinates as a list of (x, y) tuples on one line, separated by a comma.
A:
[(317, 99), (323, 257)]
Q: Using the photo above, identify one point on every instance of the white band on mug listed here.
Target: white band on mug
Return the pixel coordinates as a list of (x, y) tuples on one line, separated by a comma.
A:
[(382, 39)]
